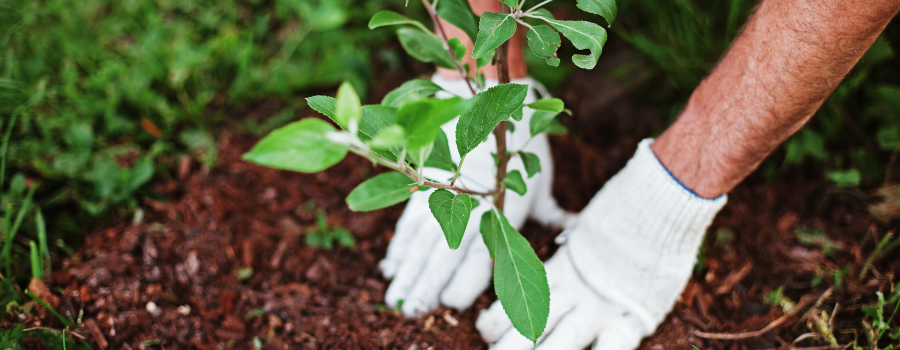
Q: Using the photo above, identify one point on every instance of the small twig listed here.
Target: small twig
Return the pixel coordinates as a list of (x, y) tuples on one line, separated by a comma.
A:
[(772, 325), (440, 29), (825, 295)]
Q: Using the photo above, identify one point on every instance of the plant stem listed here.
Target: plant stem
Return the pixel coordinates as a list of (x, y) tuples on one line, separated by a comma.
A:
[(440, 29), (412, 174), (500, 130)]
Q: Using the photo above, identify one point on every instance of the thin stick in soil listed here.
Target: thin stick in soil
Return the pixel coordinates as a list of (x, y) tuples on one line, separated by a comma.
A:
[(806, 301)]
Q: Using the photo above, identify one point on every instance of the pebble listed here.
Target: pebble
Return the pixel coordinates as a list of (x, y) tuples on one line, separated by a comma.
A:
[(153, 309)]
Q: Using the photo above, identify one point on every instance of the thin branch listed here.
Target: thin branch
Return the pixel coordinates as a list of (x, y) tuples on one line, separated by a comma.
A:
[(774, 324), (412, 174), (440, 29)]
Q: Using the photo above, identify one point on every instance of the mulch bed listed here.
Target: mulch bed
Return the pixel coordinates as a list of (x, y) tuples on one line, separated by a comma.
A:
[(172, 281), (219, 260)]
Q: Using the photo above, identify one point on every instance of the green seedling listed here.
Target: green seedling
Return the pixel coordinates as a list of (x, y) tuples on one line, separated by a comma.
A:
[(324, 236), (777, 299), (876, 325), (403, 133)]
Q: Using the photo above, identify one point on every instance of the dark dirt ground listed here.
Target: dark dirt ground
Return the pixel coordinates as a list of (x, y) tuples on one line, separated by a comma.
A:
[(172, 281)]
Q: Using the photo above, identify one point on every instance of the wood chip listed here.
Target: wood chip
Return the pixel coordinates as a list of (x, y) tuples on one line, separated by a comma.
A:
[(97, 333), (453, 322), (733, 278)]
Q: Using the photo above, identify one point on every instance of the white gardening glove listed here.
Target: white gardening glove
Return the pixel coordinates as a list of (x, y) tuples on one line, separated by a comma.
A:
[(621, 267), (425, 271)]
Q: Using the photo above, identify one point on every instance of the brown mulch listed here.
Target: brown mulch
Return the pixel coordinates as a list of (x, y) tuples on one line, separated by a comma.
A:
[(174, 279)]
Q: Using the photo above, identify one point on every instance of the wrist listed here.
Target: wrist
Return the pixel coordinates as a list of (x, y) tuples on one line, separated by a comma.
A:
[(690, 152)]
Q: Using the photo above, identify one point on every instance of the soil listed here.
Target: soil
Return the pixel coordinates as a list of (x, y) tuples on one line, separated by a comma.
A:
[(219, 260)]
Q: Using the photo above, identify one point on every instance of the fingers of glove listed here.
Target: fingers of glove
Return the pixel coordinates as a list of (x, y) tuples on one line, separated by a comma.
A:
[(621, 332), (576, 330), (437, 271), (492, 323), (471, 277), (412, 262), (413, 216)]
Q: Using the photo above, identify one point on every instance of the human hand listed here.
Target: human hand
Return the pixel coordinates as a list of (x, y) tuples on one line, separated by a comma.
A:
[(425, 271), (622, 266)]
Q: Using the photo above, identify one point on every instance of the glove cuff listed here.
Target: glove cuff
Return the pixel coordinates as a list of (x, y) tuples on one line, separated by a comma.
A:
[(642, 238)]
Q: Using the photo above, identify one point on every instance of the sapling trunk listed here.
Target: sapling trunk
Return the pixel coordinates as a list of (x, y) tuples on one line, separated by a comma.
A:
[(500, 130)]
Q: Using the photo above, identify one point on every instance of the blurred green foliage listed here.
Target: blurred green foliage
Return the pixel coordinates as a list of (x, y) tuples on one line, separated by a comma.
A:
[(853, 136), (99, 96)]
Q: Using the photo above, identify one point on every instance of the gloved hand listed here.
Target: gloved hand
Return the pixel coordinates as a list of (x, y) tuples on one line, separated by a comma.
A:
[(425, 271), (622, 265)]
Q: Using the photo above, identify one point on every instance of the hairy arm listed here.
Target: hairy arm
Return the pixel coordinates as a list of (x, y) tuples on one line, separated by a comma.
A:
[(791, 55)]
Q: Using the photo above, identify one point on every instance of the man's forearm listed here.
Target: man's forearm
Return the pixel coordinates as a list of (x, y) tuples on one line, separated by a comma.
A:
[(791, 55)]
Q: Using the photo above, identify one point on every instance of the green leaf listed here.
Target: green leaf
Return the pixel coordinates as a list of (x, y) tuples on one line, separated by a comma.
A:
[(420, 155), (490, 108), (541, 122), (889, 138), (520, 280), (511, 3), (459, 50), (605, 8), (452, 213), (440, 157), (301, 146), (374, 119), (391, 136), (514, 182), (344, 237), (518, 115), (845, 178), (322, 104), (544, 41), (584, 35), (425, 47), (556, 128), (553, 105), (494, 29), (347, 106), (390, 18), (381, 191), (532, 163), (423, 118), (412, 90), (459, 14)]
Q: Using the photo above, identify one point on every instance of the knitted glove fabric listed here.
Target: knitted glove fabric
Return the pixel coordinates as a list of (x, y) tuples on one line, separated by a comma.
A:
[(425, 271), (623, 264)]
